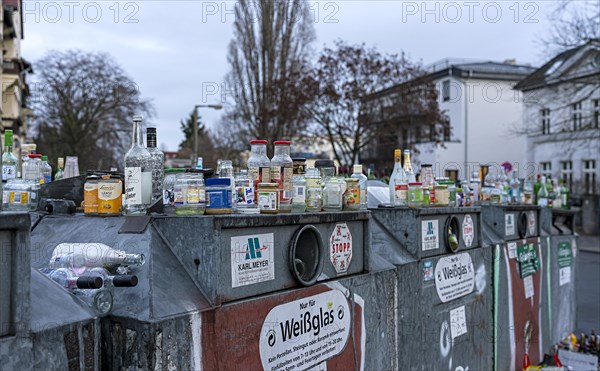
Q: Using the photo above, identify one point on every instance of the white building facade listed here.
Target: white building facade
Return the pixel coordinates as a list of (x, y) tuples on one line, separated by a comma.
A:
[(484, 112), (561, 118)]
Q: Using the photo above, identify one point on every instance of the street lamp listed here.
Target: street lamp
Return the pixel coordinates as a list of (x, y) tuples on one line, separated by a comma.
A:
[(195, 121)]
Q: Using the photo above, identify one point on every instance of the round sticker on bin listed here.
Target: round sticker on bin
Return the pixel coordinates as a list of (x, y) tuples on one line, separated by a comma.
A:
[(340, 248), (468, 231), (531, 224)]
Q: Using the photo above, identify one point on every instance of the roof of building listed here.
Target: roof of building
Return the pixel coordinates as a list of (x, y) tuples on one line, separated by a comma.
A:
[(543, 75), (487, 70)]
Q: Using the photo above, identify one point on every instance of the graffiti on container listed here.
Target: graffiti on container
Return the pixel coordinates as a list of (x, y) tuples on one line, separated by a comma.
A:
[(305, 332), (468, 230), (430, 235), (527, 256), (445, 339), (454, 277), (252, 259), (427, 270), (340, 248)]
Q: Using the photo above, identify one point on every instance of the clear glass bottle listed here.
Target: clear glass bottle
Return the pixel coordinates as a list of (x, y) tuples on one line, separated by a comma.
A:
[(398, 183), (299, 186), (362, 179), (46, 170), (110, 280), (158, 164), (26, 150), (9, 161), (475, 187), (408, 168), (528, 191), (32, 168), (225, 170), (281, 173), (169, 189), (542, 195), (314, 189), (259, 165), (60, 172), (428, 181), (81, 256), (515, 188), (138, 173), (68, 279), (101, 300)]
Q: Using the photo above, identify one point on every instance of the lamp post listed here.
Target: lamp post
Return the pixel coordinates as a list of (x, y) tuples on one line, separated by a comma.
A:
[(195, 121)]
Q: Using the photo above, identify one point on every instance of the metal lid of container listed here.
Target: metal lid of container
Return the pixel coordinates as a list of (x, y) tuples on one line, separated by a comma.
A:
[(324, 163), (268, 185), (175, 170), (258, 141), (282, 142)]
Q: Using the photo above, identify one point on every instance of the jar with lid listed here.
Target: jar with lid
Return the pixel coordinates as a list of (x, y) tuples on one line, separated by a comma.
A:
[(332, 194), (259, 165), (218, 196), (90, 195), (281, 173), (32, 169), (314, 198), (268, 198), (171, 175), (15, 196), (442, 195), (352, 194), (189, 193), (451, 193), (415, 195), (299, 186), (110, 191), (244, 194), (426, 196)]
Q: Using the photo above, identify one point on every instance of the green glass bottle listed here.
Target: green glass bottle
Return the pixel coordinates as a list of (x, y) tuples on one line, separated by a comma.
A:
[(536, 189), (565, 196), (9, 161)]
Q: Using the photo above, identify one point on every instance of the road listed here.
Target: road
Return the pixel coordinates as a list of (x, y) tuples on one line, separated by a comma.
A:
[(588, 287)]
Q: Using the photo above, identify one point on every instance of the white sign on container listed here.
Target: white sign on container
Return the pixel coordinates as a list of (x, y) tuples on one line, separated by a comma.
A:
[(305, 332), (528, 285), (509, 224), (252, 259), (512, 250), (468, 230), (564, 275), (340, 248), (430, 236), (458, 322), (454, 277)]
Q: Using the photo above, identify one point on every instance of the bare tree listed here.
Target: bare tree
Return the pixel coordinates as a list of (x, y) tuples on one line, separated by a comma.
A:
[(351, 113), (268, 57), (83, 104), (572, 24)]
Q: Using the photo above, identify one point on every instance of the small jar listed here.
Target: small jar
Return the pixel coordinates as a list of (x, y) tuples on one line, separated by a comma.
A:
[(243, 200), (314, 190), (218, 196), (299, 186), (15, 196), (426, 196), (268, 198), (189, 193), (333, 190), (415, 195), (90, 195), (169, 189), (110, 191), (451, 194), (442, 195), (352, 194)]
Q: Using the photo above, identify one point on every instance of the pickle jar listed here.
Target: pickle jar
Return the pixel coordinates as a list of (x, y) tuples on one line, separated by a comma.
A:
[(415, 194), (442, 195), (352, 194)]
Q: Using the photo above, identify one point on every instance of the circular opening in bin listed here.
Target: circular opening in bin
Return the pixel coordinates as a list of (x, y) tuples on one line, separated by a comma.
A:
[(452, 233), (522, 224), (306, 255)]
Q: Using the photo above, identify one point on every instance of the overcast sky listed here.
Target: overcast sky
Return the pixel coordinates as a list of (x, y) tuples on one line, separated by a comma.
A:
[(176, 51)]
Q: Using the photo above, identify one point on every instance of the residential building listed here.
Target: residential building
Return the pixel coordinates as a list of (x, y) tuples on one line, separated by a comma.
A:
[(15, 91), (561, 116), (484, 119)]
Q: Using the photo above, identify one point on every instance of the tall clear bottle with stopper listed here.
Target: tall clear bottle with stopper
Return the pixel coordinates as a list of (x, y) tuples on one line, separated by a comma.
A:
[(398, 184), (138, 173), (9, 161), (158, 164), (408, 168)]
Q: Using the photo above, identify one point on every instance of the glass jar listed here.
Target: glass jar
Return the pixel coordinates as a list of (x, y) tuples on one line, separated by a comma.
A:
[(32, 169), (442, 195), (415, 194), (281, 173), (326, 168), (189, 193), (426, 196), (314, 190), (332, 194), (171, 175), (427, 175), (90, 195), (218, 196), (15, 196), (244, 194), (451, 193), (268, 198), (299, 186), (259, 165), (352, 194), (110, 191)]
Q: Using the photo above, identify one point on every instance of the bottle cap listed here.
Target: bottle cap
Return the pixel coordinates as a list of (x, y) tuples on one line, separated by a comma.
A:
[(44, 158), (397, 152), (357, 169), (61, 161), (258, 141), (89, 282), (35, 155), (282, 142), (175, 170), (125, 280)]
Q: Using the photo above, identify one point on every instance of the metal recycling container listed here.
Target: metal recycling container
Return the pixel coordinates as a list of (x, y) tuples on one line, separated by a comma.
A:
[(443, 285), (560, 277), (520, 300)]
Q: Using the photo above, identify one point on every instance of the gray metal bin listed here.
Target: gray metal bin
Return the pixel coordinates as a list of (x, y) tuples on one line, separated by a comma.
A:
[(443, 290)]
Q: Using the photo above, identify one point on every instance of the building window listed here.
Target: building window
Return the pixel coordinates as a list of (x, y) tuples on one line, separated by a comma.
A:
[(589, 176), (447, 132), (546, 169), (545, 115), (446, 90), (596, 114), (576, 115), (566, 173)]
